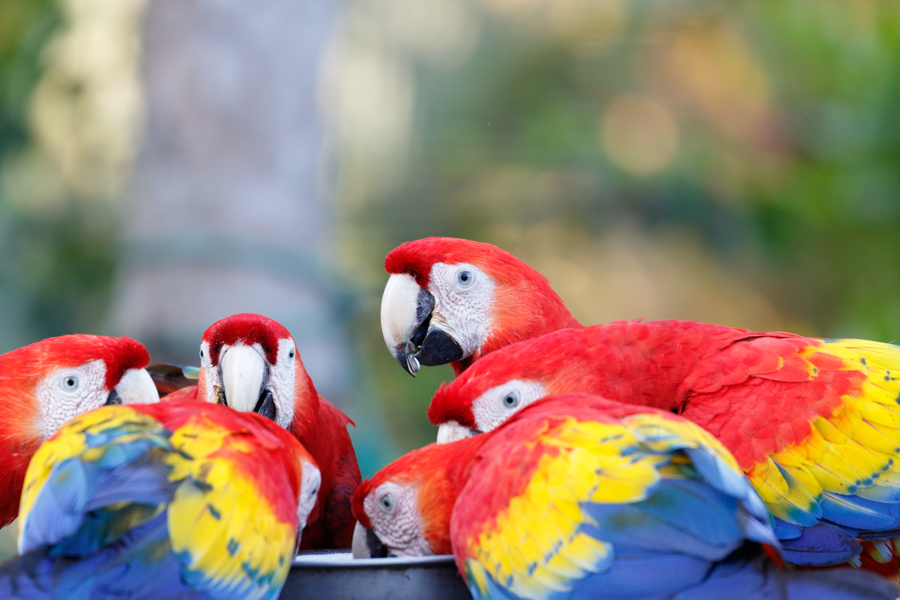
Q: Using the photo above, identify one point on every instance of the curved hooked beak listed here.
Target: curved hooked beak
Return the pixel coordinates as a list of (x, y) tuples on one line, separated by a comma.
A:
[(245, 381), (406, 323), (366, 544), (135, 387), (452, 431)]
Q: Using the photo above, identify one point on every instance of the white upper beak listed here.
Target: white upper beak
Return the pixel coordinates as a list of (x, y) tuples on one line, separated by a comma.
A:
[(136, 387), (398, 310), (452, 431), (243, 371)]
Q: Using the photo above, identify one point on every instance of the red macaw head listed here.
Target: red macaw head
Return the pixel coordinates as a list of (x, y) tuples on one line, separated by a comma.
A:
[(451, 301), (250, 363), (405, 508), (504, 382), (47, 383)]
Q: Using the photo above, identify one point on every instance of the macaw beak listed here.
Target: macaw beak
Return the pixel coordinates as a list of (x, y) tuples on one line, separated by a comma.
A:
[(452, 431), (366, 544), (245, 381), (406, 323), (135, 387)]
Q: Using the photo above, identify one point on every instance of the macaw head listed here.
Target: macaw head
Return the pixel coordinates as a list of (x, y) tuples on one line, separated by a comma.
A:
[(47, 383), (250, 363), (504, 382), (405, 508), (451, 301)]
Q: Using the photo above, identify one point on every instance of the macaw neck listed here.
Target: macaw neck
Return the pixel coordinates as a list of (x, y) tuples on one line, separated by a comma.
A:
[(647, 363), (306, 407), (528, 310), (15, 453)]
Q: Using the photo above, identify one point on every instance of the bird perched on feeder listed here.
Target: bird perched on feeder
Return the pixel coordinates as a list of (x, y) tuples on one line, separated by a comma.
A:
[(250, 363), (813, 423), (580, 497), (453, 301), (45, 384), (172, 500)]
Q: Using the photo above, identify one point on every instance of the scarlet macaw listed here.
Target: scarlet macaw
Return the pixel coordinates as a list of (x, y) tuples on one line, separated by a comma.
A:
[(813, 423), (250, 363), (171, 500)]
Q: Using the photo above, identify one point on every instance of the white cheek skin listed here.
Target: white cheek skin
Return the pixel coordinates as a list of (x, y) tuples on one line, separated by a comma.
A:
[(401, 529), (311, 480), (489, 411), (465, 314), (59, 405), (212, 374), (283, 380)]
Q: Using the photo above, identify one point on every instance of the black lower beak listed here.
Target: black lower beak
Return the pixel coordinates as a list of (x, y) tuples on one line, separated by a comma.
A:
[(437, 348), (366, 544), (266, 405), (376, 548), (113, 399)]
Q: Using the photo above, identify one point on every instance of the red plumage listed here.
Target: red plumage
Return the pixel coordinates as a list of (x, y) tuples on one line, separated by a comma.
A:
[(21, 372)]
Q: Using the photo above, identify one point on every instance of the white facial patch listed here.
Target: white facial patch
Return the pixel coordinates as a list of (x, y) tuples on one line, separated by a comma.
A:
[(398, 309), (464, 299), (310, 484), (283, 381), (503, 401), (212, 375), (394, 513), (66, 393)]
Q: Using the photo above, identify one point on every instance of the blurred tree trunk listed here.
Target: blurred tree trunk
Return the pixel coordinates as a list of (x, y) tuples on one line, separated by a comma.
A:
[(225, 214)]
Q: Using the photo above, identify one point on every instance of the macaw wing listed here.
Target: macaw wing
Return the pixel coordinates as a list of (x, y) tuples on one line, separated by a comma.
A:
[(227, 520), (599, 505), (815, 424)]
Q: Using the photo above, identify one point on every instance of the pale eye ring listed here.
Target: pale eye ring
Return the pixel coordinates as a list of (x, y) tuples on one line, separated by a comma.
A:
[(291, 353), (511, 399), (69, 383), (465, 278), (386, 503)]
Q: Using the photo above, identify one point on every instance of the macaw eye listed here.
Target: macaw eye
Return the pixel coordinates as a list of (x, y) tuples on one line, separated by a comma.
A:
[(291, 353), (465, 278), (314, 491), (201, 352), (511, 399), (386, 503), (69, 383)]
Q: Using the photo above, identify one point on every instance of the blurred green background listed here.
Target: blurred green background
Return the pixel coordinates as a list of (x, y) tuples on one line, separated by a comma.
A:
[(723, 161)]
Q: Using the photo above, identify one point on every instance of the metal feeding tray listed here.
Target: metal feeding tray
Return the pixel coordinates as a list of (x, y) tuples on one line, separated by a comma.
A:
[(336, 574)]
